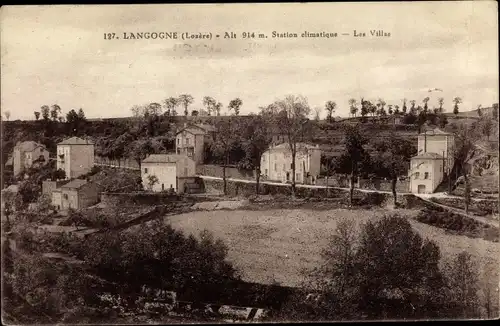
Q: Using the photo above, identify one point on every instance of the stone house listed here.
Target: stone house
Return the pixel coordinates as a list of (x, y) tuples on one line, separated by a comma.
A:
[(28, 153), (75, 156), (76, 194), (192, 140), (276, 163), (172, 170)]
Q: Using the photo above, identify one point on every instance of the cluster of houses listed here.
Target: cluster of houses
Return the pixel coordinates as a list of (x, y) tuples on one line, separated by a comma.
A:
[(177, 171)]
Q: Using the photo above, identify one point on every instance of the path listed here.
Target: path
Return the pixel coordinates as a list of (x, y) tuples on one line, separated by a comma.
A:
[(458, 211)]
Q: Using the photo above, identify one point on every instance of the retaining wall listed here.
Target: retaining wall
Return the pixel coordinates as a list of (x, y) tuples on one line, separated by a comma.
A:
[(137, 198)]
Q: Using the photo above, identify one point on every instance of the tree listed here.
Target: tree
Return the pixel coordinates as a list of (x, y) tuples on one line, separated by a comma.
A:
[(354, 159), (457, 101), (426, 100), (385, 270), (389, 110), (137, 111), (171, 103), (495, 111), (223, 143), (487, 127), (235, 105), (217, 107), (412, 108), (382, 106), (195, 113), (152, 180), (81, 115), (290, 116), (186, 100), (54, 113), (404, 109), (209, 103), (396, 110), (441, 102), (45, 112), (393, 158), (330, 108), (255, 139), (462, 279), (352, 106), (365, 107), (6, 114), (37, 115)]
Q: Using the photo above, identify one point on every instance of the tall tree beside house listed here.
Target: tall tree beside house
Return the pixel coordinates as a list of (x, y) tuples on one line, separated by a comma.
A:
[(330, 108), (37, 115), (170, 104), (456, 101), (255, 137), (209, 103), (440, 102), (235, 105), (290, 116), (354, 159), (465, 151), (45, 112), (55, 112), (353, 109), (223, 143), (186, 100)]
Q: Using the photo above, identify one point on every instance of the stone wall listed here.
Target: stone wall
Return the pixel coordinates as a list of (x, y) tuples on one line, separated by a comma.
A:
[(247, 189), (137, 198)]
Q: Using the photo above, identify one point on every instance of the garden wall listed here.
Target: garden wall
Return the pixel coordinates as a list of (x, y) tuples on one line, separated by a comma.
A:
[(377, 184), (137, 198), (231, 172), (247, 189)]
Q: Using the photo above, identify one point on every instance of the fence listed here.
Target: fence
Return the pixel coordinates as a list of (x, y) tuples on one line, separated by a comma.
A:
[(124, 162), (231, 172)]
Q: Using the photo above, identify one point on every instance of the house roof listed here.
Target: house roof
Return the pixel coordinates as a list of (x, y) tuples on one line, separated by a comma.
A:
[(76, 141), (428, 156), (75, 184), (195, 131), (164, 158), (435, 131), (28, 146)]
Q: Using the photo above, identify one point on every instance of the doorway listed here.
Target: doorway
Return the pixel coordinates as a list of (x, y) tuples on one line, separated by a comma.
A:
[(421, 189)]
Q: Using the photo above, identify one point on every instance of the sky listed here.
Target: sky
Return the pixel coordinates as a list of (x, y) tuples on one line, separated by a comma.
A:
[(58, 55)]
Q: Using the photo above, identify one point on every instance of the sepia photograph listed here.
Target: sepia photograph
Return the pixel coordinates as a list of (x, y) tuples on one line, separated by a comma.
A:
[(249, 163)]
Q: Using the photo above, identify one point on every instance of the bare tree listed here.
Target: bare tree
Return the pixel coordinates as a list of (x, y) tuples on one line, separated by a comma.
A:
[(353, 109), (440, 102), (136, 111), (290, 116)]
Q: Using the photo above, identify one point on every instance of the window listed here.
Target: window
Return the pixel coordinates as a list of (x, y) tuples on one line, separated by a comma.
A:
[(291, 166), (185, 171), (417, 175), (65, 196), (162, 187), (297, 176), (187, 141), (275, 167), (265, 172), (145, 170), (178, 141), (426, 175)]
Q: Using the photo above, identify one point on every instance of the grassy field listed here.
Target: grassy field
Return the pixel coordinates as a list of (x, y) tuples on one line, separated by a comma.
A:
[(279, 245)]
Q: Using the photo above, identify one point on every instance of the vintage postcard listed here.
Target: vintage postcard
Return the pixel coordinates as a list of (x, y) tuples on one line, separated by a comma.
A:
[(213, 163)]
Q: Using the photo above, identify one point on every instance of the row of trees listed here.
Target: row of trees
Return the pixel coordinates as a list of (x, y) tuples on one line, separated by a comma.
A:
[(366, 107), (170, 105)]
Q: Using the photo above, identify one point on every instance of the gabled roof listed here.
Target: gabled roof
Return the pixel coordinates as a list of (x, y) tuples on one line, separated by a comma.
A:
[(428, 155), (164, 158), (436, 131), (75, 184), (28, 146), (194, 131), (76, 141)]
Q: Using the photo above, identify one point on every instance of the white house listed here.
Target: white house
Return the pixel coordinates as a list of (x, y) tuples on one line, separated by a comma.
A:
[(171, 170), (426, 173), (75, 156), (191, 140), (276, 163), (434, 160)]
